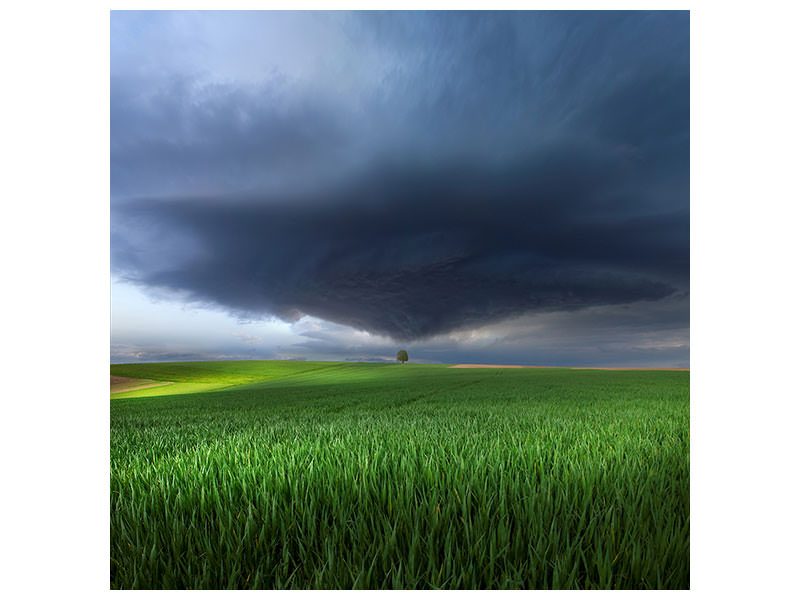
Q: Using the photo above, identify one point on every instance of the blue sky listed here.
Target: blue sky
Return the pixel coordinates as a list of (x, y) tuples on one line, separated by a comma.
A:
[(473, 187)]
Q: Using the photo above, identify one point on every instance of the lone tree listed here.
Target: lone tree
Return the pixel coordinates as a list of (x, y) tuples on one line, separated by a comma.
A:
[(402, 356)]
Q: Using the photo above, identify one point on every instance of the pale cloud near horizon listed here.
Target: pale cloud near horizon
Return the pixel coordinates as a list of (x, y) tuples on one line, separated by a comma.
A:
[(640, 334), (246, 337)]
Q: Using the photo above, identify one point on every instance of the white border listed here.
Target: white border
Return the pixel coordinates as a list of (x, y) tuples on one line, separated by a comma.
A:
[(56, 301)]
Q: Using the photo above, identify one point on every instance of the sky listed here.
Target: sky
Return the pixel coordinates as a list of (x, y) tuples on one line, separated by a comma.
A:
[(486, 187)]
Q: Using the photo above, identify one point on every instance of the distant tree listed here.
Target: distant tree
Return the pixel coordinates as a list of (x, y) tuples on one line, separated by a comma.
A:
[(402, 356)]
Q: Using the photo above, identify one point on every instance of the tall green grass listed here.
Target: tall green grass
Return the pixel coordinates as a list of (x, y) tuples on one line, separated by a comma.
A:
[(404, 476)]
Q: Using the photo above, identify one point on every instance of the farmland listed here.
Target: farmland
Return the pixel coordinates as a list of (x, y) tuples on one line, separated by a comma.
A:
[(272, 475)]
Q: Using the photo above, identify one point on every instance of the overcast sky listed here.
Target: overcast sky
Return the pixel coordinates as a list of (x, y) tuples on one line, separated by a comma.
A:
[(472, 187)]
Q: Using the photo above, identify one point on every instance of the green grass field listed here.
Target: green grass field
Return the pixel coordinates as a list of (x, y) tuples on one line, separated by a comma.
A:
[(269, 474)]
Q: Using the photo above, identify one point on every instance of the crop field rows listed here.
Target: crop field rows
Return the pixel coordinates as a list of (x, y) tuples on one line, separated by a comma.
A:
[(345, 475)]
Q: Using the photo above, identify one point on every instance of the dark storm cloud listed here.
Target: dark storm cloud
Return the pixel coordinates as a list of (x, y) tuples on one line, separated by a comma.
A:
[(415, 251), (470, 168), (205, 136)]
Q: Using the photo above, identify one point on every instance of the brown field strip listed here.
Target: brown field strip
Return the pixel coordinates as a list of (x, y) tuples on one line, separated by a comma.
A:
[(470, 366), (129, 384)]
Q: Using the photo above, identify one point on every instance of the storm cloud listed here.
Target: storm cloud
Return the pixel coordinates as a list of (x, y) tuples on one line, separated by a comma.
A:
[(405, 174)]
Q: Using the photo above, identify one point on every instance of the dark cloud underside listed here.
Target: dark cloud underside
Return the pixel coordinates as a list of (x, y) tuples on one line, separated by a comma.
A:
[(413, 253)]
